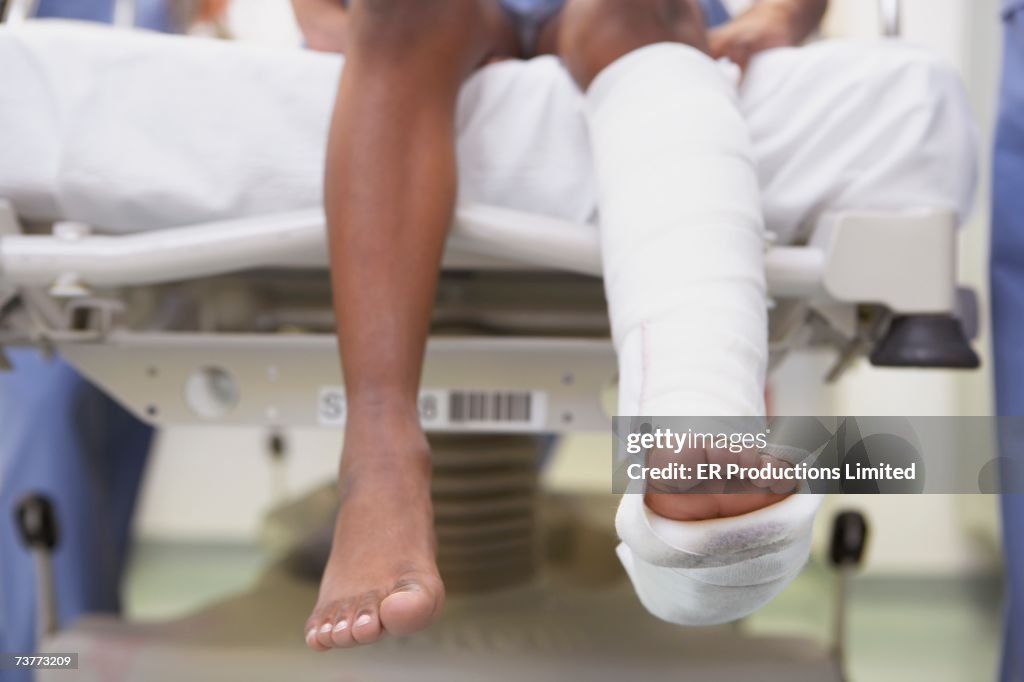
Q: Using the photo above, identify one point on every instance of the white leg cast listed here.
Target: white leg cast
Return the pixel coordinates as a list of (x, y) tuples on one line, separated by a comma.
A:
[(682, 240), (682, 235)]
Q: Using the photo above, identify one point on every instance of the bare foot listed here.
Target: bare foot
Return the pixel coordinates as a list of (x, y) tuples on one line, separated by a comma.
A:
[(700, 507), (707, 500), (381, 575)]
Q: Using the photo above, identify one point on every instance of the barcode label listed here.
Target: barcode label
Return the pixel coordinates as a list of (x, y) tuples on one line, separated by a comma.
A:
[(478, 406), (456, 410)]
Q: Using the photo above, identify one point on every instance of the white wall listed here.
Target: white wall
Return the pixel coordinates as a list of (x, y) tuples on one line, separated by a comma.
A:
[(215, 485)]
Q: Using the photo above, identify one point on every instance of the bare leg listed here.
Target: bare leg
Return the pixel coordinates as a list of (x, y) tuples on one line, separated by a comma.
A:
[(390, 190)]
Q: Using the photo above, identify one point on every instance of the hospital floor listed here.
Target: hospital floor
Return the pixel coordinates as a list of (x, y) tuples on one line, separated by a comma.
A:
[(905, 628)]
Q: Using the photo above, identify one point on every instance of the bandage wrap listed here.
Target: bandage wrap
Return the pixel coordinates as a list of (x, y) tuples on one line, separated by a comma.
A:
[(682, 235), (712, 572), (683, 246)]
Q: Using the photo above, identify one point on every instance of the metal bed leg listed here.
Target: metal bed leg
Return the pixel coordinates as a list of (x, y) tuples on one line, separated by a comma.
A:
[(17, 11), (891, 17), (124, 13), (37, 524), (849, 538)]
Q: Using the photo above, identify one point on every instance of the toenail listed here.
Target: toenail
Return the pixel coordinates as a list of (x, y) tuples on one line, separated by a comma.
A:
[(341, 626), (363, 620), (326, 627), (311, 634)]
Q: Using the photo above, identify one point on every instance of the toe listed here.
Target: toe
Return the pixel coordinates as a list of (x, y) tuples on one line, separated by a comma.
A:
[(320, 626), (366, 626), (311, 640), (324, 633), (341, 635), (408, 610), (313, 628)]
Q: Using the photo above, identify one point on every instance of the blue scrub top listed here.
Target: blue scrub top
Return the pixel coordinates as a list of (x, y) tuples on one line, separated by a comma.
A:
[(151, 14), (715, 13)]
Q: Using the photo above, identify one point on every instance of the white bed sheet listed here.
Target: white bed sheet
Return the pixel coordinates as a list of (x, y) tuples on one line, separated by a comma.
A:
[(133, 131)]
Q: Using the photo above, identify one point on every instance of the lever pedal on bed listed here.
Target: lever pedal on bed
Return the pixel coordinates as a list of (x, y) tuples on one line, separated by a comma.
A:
[(925, 328)]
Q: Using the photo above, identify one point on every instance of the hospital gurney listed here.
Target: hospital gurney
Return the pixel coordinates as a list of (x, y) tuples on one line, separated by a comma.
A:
[(229, 323)]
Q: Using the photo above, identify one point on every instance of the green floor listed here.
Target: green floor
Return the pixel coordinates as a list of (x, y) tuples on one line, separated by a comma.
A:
[(900, 629), (906, 628)]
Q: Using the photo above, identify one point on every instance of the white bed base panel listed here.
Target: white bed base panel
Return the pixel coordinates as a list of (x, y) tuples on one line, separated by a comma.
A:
[(484, 384), (906, 261)]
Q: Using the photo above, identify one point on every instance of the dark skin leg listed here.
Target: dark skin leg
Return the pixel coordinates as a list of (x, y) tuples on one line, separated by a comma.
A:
[(390, 192)]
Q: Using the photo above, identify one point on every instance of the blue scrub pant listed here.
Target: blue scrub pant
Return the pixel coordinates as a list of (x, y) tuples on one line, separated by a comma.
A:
[(63, 437), (1008, 316)]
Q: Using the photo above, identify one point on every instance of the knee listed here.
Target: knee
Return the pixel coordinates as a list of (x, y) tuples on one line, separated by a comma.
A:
[(947, 127), (919, 66), (595, 33), (887, 70), (408, 26), (925, 106), (925, 94)]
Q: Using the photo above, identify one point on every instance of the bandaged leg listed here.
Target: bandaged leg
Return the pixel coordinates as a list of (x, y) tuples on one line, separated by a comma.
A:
[(682, 235), (682, 238)]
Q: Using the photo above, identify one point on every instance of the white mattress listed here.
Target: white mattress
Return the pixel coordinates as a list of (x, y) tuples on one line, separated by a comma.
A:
[(132, 131)]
